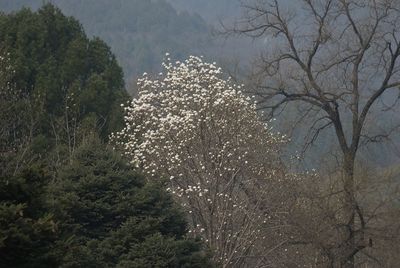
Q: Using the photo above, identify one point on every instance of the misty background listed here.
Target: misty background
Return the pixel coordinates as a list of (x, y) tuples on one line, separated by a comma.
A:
[(140, 32)]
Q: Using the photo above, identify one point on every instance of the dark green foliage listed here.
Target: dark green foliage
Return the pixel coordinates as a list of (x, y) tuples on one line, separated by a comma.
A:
[(27, 230), (98, 191), (111, 216), (68, 75), (97, 213), (154, 250)]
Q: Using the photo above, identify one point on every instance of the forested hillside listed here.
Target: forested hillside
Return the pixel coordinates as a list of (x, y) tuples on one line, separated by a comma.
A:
[(67, 199), (139, 32)]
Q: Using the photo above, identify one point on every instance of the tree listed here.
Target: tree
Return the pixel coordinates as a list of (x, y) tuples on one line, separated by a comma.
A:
[(339, 63), (66, 76), (198, 129), (27, 229), (17, 120), (111, 217)]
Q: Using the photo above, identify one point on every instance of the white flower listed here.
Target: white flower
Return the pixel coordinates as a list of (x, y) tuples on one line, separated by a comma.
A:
[(195, 127)]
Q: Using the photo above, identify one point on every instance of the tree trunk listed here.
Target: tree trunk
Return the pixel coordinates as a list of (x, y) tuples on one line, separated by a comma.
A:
[(349, 208)]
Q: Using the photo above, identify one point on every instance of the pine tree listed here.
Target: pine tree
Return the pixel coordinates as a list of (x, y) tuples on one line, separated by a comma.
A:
[(27, 230), (111, 216)]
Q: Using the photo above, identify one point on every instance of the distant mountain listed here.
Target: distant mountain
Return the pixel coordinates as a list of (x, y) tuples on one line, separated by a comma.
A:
[(139, 32), (211, 10)]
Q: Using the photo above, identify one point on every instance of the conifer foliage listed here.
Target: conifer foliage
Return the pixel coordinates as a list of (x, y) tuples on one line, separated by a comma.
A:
[(111, 216)]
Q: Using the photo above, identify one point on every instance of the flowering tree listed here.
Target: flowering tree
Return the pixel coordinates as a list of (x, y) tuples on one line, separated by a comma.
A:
[(200, 131)]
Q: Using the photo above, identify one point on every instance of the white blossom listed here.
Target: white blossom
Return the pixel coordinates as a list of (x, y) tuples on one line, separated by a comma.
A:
[(200, 131)]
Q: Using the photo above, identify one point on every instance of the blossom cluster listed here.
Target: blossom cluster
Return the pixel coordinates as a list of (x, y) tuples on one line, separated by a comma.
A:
[(204, 134), (188, 109)]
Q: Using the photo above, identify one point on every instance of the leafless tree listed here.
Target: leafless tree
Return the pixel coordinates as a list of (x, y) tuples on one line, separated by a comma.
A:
[(339, 58), (315, 220)]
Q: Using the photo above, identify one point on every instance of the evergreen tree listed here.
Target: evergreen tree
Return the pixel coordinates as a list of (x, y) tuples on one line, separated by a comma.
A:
[(69, 76), (111, 216), (27, 230)]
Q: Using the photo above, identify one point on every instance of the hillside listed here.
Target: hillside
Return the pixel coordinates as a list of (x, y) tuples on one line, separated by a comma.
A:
[(213, 10), (139, 32)]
